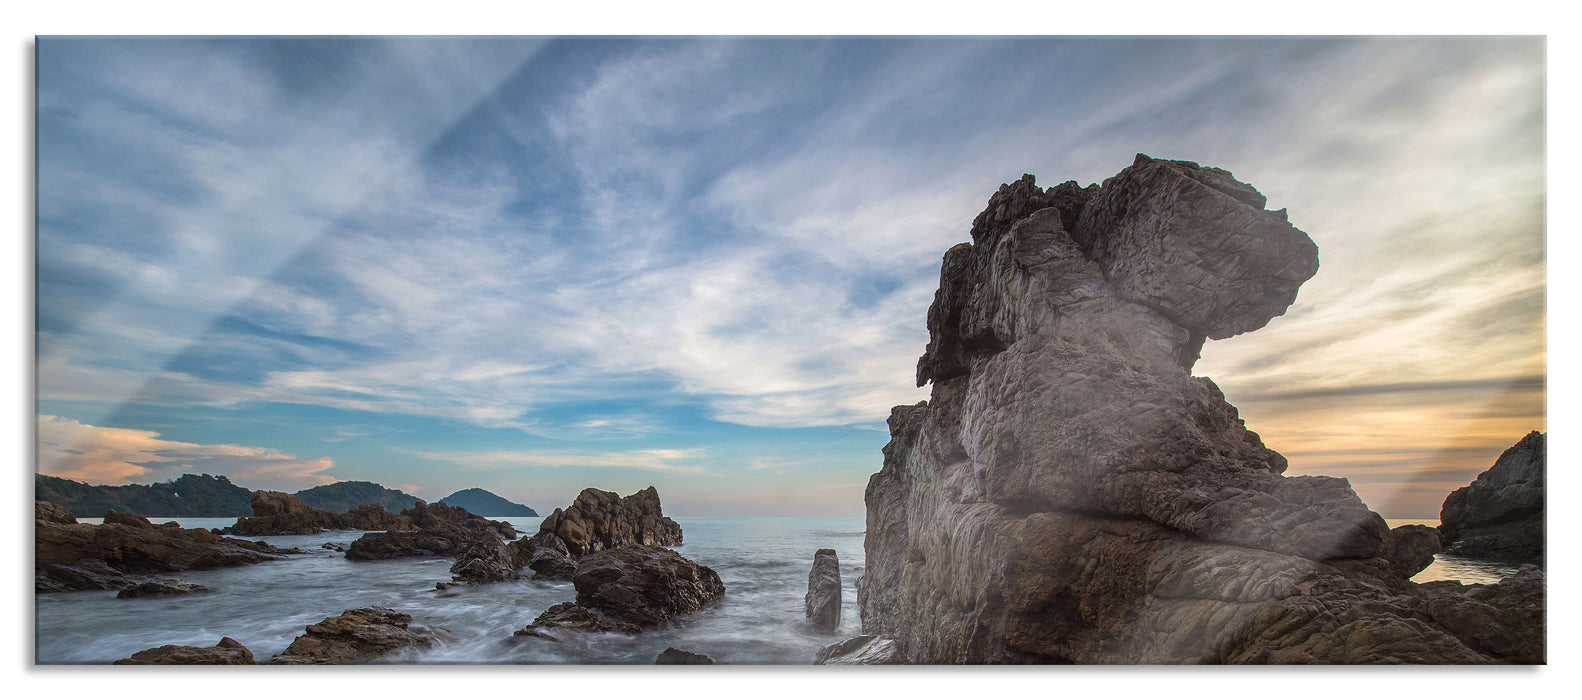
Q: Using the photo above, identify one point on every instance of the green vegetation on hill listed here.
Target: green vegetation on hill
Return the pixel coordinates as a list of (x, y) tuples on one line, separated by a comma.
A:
[(342, 496), (189, 496), (486, 504)]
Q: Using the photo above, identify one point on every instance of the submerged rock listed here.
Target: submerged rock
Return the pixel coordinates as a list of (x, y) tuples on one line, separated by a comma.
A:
[(1071, 494), (565, 620), (862, 650), (228, 652), (161, 588), (356, 636), (645, 585), (823, 591), (672, 656), (1500, 515)]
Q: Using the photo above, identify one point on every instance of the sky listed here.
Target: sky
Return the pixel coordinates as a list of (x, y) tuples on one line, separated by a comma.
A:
[(539, 265)]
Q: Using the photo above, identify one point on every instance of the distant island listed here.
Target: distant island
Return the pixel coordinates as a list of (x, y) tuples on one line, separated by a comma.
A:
[(486, 504), (206, 496)]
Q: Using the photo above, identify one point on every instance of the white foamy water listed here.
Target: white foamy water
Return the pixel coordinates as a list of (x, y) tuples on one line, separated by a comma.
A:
[(764, 563)]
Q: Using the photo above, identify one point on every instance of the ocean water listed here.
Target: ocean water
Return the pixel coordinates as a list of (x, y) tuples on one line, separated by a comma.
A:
[(764, 563)]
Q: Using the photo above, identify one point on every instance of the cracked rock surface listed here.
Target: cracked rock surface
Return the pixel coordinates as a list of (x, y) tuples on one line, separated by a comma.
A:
[(1070, 493)]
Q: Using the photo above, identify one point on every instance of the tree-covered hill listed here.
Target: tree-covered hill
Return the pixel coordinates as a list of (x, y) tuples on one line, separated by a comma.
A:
[(342, 496), (486, 504), (189, 496)]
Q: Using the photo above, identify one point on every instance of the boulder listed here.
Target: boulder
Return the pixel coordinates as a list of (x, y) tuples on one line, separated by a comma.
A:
[(672, 656), (357, 636), (823, 591), (1070, 493), (566, 620), (80, 556), (644, 585), (862, 650), (489, 559), (279, 513), (161, 588), (436, 530), (53, 513), (549, 559), (228, 652), (1500, 515), (599, 520)]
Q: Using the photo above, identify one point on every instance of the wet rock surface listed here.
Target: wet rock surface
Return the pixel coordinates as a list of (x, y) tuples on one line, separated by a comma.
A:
[(228, 652), (79, 556), (161, 588), (644, 585), (823, 591), (358, 636), (672, 656), (1071, 494), (1500, 515), (565, 620), (862, 650)]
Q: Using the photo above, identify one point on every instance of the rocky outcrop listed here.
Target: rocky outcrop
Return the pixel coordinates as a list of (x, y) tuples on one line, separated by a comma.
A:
[(228, 652), (357, 636), (566, 620), (599, 520), (278, 513), (862, 650), (1071, 494), (1500, 515), (53, 513), (672, 656), (489, 559), (79, 556), (644, 585), (549, 558), (432, 530), (161, 588), (823, 591)]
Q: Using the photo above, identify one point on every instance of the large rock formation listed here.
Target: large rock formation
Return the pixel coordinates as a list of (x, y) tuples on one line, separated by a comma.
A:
[(822, 601), (645, 585), (1070, 493), (78, 556), (1500, 515), (599, 520), (228, 652), (429, 530), (357, 636), (278, 513)]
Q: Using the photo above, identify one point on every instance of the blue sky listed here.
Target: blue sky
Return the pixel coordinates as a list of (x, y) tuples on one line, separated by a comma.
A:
[(538, 265)]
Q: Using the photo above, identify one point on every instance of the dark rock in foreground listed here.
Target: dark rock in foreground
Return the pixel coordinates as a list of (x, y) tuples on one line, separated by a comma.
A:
[(599, 520), (104, 557), (672, 656), (278, 513), (549, 558), (53, 513), (436, 530), (1500, 515), (228, 652), (823, 591), (863, 650), (356, 636), (161, 588), (1071, 494), (564, 620), (645, 585), (489, 559)]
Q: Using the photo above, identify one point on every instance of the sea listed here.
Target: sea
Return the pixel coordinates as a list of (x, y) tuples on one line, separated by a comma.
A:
[(763, 562)]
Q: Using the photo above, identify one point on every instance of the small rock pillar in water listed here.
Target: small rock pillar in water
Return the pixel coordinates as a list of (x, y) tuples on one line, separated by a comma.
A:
[(823, 591)]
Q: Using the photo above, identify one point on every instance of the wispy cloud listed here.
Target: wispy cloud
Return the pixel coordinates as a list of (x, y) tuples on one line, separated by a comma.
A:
[(678, 461), (100, 455)]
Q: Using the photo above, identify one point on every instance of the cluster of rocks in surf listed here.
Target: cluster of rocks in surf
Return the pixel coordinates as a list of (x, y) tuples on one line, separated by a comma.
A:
[(279, 513), (127, 551), (1500, 515), (1070, 493)]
